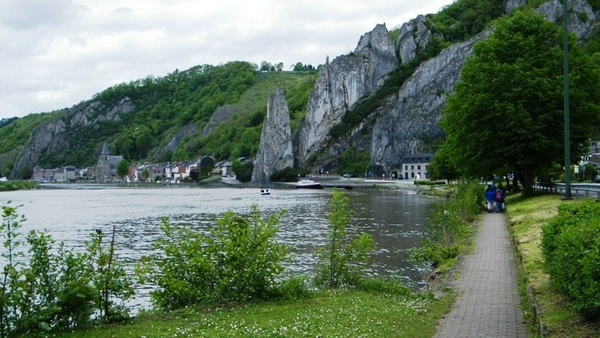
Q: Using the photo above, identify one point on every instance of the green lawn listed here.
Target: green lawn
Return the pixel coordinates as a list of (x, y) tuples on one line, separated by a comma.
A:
[(328, 314)]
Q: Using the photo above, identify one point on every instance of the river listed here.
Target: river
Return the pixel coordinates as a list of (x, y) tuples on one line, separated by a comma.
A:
[(395, 219)]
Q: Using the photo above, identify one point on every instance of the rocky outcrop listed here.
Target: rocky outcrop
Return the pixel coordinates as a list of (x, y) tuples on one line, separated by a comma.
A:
[(275, 151), (222, 114), (95, 112), (46, 138), (341, 85), (51, 138), (409, 121), (413, 35), (411, 117), (582, 20)]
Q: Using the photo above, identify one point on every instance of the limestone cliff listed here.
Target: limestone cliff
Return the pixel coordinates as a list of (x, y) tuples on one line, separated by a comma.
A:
[(411, 117), (275, 152), (51, 138), (407, 121), (340, 86)]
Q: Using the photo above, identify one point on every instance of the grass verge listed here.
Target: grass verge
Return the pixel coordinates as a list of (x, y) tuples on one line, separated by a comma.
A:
[(548, 310), (326, 314)]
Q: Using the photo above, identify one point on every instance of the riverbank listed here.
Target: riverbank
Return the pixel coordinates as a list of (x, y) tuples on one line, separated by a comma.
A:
[(17, 185)]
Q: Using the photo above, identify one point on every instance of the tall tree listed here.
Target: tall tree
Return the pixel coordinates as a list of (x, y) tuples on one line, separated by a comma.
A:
[(123, 168), (507, 110)]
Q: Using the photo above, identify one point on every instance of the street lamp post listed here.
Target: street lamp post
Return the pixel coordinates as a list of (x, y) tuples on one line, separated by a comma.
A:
[(566, 103)]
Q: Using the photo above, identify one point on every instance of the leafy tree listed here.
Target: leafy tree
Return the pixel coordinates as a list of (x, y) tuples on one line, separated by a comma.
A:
[(26, 173), (298, 67), (8, 167), (266, 66), (123, 168), (286, 174), (353, 162), (145, 174), (441, 167), (243, 170), (507, 110)]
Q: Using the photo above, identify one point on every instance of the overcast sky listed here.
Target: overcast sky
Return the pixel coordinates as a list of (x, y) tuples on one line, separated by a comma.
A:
[(56, 53)]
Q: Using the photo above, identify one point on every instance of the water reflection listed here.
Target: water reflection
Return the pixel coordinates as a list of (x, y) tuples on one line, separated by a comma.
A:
[(395, 219)]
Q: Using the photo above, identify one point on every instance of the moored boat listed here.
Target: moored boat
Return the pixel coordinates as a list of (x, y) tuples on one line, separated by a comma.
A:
[(308, 184), (265, 192)]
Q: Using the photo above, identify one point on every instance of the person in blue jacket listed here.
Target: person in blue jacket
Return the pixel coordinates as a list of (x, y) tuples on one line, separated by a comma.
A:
[(490, 197)]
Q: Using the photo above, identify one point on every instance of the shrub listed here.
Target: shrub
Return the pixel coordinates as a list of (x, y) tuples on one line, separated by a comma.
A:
[(286, 174), (449, 225), (343, 260), (237, 261), (57, 289), (571, 251)]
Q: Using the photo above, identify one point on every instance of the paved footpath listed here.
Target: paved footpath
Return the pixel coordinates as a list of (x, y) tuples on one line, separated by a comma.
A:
[(488, 303)]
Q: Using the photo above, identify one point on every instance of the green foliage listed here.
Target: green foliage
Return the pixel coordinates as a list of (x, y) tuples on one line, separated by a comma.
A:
[(58, 289), (291, 289), (353, 162), (463, 19), (441, 167), (243, 170), (123, 168), (238, 260), (240, 135), (285, 175), (14, 132), (503, 115), (26, 173), (571, 251), (18, 185), (449, 225), (384, 286), (343, 261)]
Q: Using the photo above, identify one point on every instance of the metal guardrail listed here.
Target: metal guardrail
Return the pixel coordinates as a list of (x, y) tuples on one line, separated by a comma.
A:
[(578, 190)]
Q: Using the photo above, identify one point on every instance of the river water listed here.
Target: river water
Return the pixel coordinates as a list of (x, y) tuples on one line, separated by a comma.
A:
[(395, 219)]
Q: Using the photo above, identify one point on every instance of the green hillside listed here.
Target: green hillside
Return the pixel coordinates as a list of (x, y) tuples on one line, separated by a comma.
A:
[(162, 107)]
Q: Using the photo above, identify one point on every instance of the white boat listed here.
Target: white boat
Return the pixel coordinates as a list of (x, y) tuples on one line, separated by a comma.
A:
[(308, 184), (265, 192)]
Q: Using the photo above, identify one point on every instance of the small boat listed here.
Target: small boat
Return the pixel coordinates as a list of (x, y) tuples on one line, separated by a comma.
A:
[(265, 192), (308, 184)]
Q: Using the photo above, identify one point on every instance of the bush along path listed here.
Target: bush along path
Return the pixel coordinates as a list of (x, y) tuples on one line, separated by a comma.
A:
[(488, 303)]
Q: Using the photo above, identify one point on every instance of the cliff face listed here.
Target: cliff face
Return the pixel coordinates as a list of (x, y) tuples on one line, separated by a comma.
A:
[(408, 121), (341, 84), (52, 137), (275, 152), (411, 116)]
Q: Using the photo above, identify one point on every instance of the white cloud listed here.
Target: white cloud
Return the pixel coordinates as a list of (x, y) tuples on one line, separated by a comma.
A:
[(56, 53)]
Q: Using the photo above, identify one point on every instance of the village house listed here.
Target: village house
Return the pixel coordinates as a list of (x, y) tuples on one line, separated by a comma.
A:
[(65, 174), (414, 166), (226, 168)]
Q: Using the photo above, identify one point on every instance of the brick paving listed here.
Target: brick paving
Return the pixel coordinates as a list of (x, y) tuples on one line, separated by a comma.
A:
[(488, 303)]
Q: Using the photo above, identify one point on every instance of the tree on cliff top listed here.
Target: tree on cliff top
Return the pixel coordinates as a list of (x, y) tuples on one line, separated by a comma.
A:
[(506, 113)]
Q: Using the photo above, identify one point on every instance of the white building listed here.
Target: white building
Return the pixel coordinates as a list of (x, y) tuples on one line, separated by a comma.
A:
[(415, 166)]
